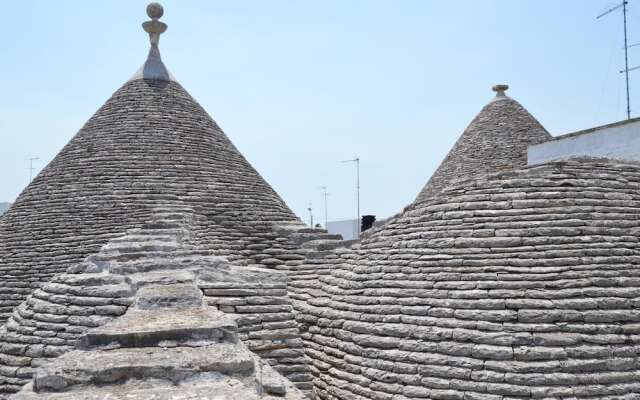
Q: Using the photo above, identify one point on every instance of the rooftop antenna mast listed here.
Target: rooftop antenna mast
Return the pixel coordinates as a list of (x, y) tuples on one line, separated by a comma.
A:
[(626, 69), (356, 160), (310, 209), (31, 169), (325, 195)]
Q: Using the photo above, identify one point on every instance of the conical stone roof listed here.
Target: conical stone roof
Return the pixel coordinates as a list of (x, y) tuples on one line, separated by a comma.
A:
[(150, 141), (496, 140), (519, 284), (165, 253)]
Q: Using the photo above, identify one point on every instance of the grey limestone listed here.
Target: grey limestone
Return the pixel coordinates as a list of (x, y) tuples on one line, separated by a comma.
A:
[(496, 140), (151, 142), (153, 287), (164, 350), (512, 285), (500, 281)]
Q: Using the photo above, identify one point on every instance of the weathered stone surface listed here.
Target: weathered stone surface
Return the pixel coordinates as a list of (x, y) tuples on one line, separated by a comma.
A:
[(168, 339), (163, 305), (496, 140), (172, 296), (111, 366), (151, 142), (192, 326), (519, 284), (213, 386)]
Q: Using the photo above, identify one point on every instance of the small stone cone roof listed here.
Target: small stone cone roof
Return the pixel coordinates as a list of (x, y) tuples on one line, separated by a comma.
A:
[(150, 141), (496, 140)]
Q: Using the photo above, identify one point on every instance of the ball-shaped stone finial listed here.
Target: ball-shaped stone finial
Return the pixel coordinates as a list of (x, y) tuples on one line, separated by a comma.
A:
[(500, 88), (155, 10)]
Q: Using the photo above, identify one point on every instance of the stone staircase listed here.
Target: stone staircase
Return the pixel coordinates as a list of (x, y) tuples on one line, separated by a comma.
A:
[(139, 322), (168, 345)]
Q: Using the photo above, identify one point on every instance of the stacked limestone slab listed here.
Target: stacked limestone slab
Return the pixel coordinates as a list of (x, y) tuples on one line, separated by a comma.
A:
[(151, 140), (150, 144), (168, 345), (165, 251), (517, 284), (524, 284), (259, 302)]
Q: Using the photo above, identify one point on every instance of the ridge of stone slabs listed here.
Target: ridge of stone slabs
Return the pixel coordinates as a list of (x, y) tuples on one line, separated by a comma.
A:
[(245, 277), (173, 296), (193, 327), (210, 386), (200, 259), (112, 366), (143, 279)]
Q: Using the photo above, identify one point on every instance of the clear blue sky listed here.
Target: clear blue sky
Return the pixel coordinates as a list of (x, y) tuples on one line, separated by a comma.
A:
[(301, 85)]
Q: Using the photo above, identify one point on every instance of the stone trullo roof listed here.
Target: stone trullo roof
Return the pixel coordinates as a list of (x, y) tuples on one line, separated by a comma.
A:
[(496, 140), (151, 140), (167, 351), (520, 284), (142, 319)]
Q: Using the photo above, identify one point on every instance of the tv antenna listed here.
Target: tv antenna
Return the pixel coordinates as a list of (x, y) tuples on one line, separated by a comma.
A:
[(31, 169), (357, 161), (310, 209), (626, 69), (325, 195)]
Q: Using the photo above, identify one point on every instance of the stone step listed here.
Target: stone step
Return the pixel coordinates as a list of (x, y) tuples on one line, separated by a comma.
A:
[(160, 277), (107, 367), (303, 237), (214, 389), (153, 261), (98, 279), (165, 327), (127, 246), (311, 230), (145, 237), (320, 254), (178, 296), (205, 386), (174, 232), (108, 291), (322, 244)]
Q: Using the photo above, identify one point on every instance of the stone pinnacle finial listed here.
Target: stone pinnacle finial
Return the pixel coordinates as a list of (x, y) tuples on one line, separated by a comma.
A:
[(155, 10), (153, 68), (500, 89), (154, 27)]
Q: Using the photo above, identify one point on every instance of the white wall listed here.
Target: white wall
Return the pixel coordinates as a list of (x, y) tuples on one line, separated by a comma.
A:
[(620, 141), (348, 228)]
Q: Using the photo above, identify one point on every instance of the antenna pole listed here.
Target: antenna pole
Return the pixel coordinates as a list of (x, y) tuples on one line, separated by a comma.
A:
[(31, 169), (357, 161), (358, 187), (626, 70), (626, 57), (325, 194)]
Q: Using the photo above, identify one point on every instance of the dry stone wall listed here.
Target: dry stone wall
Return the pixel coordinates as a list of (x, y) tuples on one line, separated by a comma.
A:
[(164, 251), (264, 307), (265, 321), (168, 345), (522, 284), (151, 141)]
